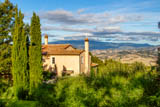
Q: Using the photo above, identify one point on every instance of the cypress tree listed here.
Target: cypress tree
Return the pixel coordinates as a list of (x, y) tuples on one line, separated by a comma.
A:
[(27, 33), (35, 56), (19, 58), (7, 12)]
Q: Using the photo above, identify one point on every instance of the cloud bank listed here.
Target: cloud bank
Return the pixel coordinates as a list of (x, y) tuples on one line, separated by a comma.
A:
[(103, 25)]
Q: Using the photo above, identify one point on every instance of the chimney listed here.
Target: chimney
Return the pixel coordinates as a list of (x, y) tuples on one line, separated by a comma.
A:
[(86, 56), (46, 39)]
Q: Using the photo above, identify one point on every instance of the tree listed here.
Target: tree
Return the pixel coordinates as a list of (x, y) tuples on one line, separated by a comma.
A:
[(95, 59), (27, 33), (158, 59), (20, 58), (7, 12), (35, 56)]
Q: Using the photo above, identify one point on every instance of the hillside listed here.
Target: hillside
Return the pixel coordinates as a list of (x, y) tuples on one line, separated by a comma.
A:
[(94, 45), (148, 56)]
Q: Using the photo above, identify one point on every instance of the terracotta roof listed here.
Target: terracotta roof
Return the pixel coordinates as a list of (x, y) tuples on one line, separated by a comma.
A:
[(59, 49)]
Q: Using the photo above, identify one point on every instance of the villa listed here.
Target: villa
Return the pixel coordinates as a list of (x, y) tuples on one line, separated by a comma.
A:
[(65, 59)]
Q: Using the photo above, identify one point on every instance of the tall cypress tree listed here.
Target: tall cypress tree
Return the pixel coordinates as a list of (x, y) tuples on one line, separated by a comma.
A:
[(35, 56), (27, 33), (7, 12), (19, 58)]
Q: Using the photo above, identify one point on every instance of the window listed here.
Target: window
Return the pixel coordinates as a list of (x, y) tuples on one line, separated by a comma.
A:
[(53, 60), (82, 60)]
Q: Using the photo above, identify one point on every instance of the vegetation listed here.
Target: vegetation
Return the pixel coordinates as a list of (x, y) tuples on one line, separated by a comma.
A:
[(7, 11), (113, 84), (158, 60), (19, 58), (95, 59), (35, 56)]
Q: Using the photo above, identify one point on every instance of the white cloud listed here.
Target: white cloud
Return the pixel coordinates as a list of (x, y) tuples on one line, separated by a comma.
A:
[(97, 25), (70, 18)]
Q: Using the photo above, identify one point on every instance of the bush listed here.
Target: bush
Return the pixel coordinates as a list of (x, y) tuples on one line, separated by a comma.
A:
[(4, 84), (2, 103), (114, 85), (48, 75), (44, 95), (23, 103), (138, 66)]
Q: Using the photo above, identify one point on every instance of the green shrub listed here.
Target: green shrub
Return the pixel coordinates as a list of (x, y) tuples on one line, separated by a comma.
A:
[(23, 103), (44, 95), (2, 103), (4, 84), (47, 75), (138, 66), (114, 85)]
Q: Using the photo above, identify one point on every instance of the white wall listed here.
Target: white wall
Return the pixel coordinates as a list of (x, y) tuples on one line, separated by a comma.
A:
[(70, 62)]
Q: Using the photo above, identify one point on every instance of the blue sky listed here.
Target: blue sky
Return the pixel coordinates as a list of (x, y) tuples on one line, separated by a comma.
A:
[(128, 21)]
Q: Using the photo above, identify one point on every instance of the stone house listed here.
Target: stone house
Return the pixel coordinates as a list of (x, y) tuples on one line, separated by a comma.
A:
[(65, 59)]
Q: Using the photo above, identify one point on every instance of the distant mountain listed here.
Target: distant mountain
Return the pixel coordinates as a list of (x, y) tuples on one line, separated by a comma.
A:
[(101, 45)]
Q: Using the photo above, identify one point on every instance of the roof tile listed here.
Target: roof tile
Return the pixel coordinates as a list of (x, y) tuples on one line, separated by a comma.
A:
[(59, 49)]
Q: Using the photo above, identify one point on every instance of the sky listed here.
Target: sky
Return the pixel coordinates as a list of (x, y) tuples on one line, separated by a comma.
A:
[(119, 21)]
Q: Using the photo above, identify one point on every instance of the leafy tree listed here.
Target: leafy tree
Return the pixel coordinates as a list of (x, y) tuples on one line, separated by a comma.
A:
[(7, 12), (35, 56), (19, 58), (95, 59), (158, 60)]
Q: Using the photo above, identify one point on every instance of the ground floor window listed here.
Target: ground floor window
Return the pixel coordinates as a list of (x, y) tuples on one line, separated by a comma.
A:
[(53, 60)]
